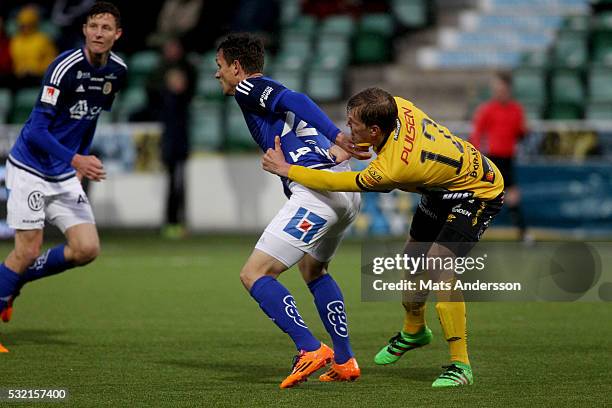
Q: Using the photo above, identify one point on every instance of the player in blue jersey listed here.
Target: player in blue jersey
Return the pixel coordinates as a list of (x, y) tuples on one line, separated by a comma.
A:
[(310, 226), (51, 155)]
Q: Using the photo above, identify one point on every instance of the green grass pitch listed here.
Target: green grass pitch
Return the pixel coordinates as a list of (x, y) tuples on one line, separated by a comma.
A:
[(158, 323)]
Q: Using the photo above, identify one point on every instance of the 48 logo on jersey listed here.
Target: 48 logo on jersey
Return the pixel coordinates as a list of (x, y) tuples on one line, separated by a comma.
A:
[(81, 110)]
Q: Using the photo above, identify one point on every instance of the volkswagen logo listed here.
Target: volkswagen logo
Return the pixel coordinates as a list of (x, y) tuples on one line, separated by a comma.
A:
[(36, 201)]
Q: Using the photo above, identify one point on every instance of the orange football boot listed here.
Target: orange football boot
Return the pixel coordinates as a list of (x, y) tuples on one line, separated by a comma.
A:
[(306, 363), (3, 349), (7, 312), (348, 371)]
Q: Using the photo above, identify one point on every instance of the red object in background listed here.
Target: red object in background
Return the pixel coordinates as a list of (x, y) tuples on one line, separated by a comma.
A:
[(6, 64), (498, 126), (325, 8)]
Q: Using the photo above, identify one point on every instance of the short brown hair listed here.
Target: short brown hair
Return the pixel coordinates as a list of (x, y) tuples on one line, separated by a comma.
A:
[(375, 106), (245, 48), (505, 77), (103, 7)]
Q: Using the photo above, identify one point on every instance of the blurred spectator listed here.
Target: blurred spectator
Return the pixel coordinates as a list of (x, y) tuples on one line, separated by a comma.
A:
[(32, 50), (68, 15), (323, 8), (138, 24), (173, 56), (177, 18), (499, 124), (198, 23), (6, 63), (178, 81), (256, 16)]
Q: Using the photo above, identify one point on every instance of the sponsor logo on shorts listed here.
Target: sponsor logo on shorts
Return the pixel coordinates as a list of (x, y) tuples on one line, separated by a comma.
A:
[(427, 211), (304, 225), (457, 209), (457, 196), (337, 317), (478, 213), (292, 312), (36, 221), (36, 201)]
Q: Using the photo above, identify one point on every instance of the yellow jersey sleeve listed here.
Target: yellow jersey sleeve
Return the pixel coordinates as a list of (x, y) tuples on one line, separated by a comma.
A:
[(374, 177), (324, 180)]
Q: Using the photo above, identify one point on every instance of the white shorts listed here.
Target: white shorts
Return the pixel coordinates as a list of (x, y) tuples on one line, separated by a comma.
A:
[(33, 200), (311, 222)]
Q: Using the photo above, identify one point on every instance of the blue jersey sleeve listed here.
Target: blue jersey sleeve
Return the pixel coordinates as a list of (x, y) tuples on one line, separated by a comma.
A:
[(50, 96), (40, 136), (309, 111), (259, 94)]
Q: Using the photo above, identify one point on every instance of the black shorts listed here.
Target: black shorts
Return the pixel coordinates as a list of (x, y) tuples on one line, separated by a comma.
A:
[(506, 168), (459, 223)]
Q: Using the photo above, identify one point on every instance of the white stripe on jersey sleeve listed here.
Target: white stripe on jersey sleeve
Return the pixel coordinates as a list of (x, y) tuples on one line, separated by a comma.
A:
[(248, 84), (241, 91), (118, 60), (65, 61), (242, 88), (67, 68)]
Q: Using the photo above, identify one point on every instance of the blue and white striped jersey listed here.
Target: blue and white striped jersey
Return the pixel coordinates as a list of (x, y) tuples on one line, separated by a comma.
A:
[(64, 118), (262, 101)]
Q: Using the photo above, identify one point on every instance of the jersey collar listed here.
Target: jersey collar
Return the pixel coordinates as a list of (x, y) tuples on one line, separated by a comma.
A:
[(395, 134)]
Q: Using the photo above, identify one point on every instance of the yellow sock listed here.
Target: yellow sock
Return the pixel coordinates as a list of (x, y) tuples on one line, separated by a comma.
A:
[(414, 319), (453, 321)]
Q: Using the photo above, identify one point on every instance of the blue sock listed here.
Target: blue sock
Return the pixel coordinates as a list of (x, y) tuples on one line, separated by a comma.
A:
[(276, 301), (50, 263), (8, 282), (330, 304)]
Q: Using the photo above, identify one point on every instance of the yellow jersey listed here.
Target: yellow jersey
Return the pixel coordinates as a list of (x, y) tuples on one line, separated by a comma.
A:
[(32, 54), (419, 156)]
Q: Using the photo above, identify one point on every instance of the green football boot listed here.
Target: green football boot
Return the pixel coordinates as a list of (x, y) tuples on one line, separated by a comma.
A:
[(455, 375), (401, 343)]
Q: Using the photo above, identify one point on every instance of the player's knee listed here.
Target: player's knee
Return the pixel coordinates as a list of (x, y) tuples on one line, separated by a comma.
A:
[(27, 255), (85, 253), (310, 275), (251, 273), (312, 269)]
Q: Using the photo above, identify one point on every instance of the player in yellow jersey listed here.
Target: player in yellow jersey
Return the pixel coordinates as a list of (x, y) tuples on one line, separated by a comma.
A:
[(462, 191)]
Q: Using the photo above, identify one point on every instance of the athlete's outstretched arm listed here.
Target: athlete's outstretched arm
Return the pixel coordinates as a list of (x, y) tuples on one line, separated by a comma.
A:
[(274, 162), (310, 111)]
